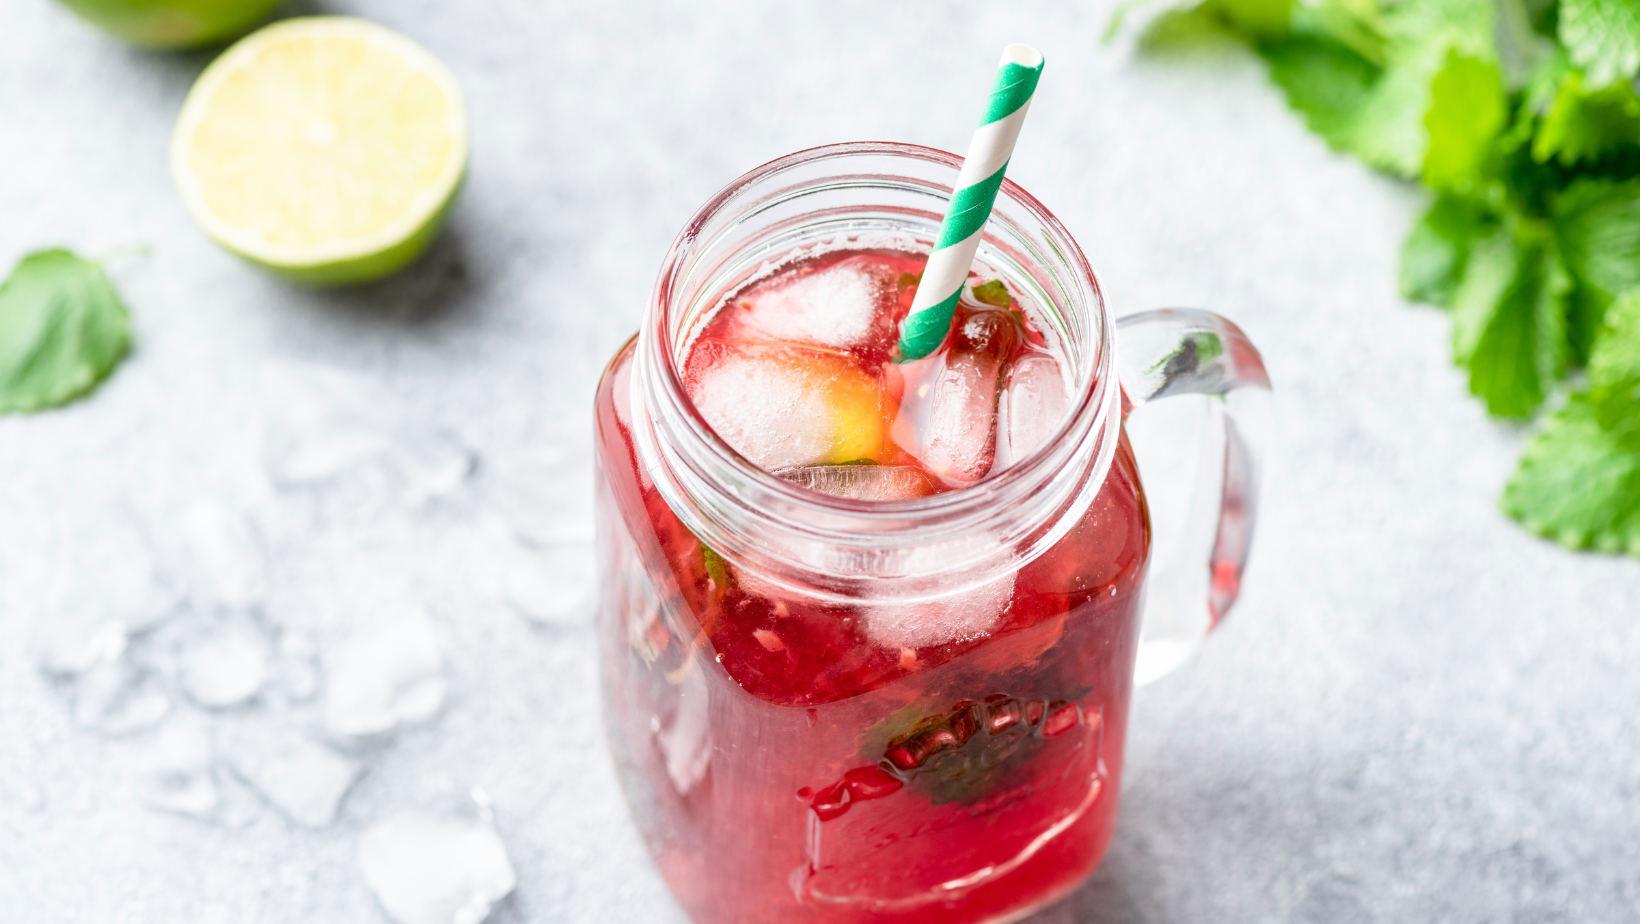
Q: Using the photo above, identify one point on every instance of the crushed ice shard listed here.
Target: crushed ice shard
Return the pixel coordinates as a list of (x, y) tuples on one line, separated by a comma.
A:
[(428, 868), (381, 679), (862, 482), (303, 779), (225, 664)]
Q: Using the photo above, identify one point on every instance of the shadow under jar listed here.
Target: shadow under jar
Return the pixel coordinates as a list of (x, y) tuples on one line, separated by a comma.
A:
[(790, 749)]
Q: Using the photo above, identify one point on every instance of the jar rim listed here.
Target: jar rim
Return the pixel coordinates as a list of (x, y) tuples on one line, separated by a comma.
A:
[(1092, 411)]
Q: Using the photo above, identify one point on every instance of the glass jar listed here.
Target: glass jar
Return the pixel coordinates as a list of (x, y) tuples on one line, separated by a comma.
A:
[(828, 710)]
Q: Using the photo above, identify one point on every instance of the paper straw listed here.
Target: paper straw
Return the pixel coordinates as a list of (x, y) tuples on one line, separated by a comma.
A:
[(930, 319)]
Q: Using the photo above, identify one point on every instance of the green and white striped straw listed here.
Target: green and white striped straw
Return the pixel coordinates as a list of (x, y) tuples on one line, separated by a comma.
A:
[(977, 184)]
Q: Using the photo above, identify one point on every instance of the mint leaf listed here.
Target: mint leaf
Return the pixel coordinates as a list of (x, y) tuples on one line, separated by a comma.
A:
[(1437, 249), (1597, 228), (1325, 83), (1614, 372), (1581, 125), (1602, 37), (1579, 480), (1577, 484), (62, 329), (1508, 321), (1466, 112), (993, 293), (1390, 133)]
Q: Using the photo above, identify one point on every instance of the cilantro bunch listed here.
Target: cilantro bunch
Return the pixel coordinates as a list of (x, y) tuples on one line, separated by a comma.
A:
[(1522, 118)]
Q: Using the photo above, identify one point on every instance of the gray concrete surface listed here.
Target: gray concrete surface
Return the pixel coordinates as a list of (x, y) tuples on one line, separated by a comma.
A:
[(1418, 712)]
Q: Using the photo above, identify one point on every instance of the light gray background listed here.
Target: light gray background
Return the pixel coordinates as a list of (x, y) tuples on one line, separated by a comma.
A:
[(1417, 713)]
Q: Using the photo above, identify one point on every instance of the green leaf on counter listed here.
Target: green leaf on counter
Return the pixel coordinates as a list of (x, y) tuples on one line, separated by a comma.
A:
[(1437, 250), (1467, 110), (1577, 485), (1602, 37), (1508, 321), (62, 330), (1579, 480), (1325, 83), (1391, 133), (1582, 125), (1597, 227)]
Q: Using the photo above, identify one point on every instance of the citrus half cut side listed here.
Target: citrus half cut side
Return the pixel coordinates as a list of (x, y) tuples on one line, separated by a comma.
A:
[(325, 148)]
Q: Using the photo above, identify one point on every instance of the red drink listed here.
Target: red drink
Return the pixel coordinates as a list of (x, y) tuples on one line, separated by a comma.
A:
[(794, 756)]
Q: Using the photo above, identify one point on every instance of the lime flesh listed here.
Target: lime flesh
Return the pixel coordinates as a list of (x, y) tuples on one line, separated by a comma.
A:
[(327, 149)]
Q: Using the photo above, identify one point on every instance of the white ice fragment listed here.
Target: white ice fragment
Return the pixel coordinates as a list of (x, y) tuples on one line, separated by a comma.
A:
[(225, 664), (295, 774), (178, 773), (953, 617), (229, 569), (116, 697), (296, 670), (428, 868), (552, 586), (115, 591), (428, 464), (322, 425), (545, 495), (767, 408), (685, 736), (380, 679), (862, 482), (834, 306), (1032, 406)]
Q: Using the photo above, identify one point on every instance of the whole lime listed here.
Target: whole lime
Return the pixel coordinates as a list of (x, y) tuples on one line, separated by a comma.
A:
[(173, 23)]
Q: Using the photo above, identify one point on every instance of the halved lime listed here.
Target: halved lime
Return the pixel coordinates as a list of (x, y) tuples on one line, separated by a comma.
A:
[(173, 23), (325, 148)]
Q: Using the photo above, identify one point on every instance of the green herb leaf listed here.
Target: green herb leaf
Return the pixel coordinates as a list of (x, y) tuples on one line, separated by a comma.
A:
[(1508, 321), (1581, 125), (1602, 37), (62, 329), (1391, 133), (1437, 249), (1325, 83), (1577, 484), (993, 293), (1597, 228), (1579, 480), (1466, 111), (1614, 372)]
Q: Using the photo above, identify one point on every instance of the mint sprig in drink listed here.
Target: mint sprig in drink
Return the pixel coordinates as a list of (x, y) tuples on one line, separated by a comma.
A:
[(868, 621)]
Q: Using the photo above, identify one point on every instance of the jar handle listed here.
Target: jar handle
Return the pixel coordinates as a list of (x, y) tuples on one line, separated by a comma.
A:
[(1183, 351)]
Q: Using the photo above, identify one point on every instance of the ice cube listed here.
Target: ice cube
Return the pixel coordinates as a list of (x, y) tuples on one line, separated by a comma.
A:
[(956, 437), (296, 669), (380, 679), (303, 779), (862, 482), (552, 587), (1032, 406), (225, 664), (323, 425), (787, 408), (685, 736), (116, 697), (115, 591), (435, 868), (229, 569), (178, 773), (835, 305), (954, 617), (546, 496)]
